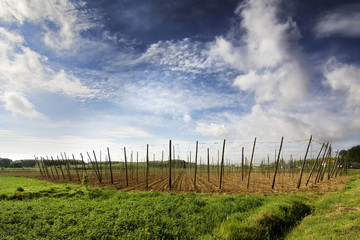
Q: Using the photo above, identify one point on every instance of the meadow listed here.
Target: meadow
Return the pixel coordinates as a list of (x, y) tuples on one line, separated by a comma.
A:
[(37, 209)]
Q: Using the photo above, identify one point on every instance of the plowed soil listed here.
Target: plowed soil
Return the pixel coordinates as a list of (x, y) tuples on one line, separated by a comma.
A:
[(183, 181)]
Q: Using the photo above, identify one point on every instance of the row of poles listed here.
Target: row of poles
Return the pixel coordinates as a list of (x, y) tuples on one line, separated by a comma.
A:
[(322, 163)]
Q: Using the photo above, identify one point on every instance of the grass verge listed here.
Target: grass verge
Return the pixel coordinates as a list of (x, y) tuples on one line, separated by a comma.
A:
[(336, 216)]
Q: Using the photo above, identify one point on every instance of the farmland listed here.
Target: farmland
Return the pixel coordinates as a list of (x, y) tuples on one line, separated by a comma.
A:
[(38, 209)]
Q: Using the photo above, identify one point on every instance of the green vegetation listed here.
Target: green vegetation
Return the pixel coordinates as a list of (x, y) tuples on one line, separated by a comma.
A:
[(336, 216), (34, 209)]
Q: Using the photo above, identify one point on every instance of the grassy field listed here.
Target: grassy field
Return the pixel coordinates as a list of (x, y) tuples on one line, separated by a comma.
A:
[(34, 209)]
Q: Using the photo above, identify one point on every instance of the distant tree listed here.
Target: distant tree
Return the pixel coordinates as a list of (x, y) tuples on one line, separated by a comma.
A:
[(343, 153), (354, 153), (16, 164), (5, 162), (28, 163)]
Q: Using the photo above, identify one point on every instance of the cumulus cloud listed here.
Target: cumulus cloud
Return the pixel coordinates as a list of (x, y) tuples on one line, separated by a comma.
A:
[(344, 78), (270, 63), (16, 103), (24, 70), (342, 21)]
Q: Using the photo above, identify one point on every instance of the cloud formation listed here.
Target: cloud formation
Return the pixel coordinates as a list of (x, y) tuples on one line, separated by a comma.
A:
[(63, 14), (343, 21), (16, 103), (270, 62)]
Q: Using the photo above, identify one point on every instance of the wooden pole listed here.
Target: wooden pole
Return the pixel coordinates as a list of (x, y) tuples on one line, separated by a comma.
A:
[(242, 164), (83, 162), (93, 165), (169, 164), (62, 172), (222, 165), (147, 166), (335, 164), (137, 167), (208, 164), (126, 169), (313, 167), (251, 161), (57, 174), (37, 161), (303, 165), (77, 171), (111, 174), (196, 153), (97, 167), (321, 163), (64, 158), (277, 163)]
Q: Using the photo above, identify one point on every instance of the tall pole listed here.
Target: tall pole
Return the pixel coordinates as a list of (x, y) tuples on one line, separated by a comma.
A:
[(251, 161), (222, 165), (169, 164), (196, 153), (303, 165), (277, 163)]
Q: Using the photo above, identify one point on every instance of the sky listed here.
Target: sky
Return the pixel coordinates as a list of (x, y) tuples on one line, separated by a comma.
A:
[(83, 75)]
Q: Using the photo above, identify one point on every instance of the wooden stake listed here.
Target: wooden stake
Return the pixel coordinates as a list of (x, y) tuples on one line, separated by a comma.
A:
[(126, 169), (196, 153), (303, 165), (251, 161), (62, 172), (208, 164), (83, 162), (222, 165), (313, 167), (57, 174), (242, 164), (77, 171), (111, 174), (169, 164), (277, 163), (147, 166)]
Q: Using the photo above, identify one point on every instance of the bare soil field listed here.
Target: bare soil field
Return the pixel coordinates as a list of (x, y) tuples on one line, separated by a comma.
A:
[(183, 181)]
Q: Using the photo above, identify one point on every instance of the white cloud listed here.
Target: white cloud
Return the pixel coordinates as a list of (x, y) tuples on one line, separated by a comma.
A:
[(342, 21), (183, 55), (16, 103), (25, 71), (270, 62), (62, 13), (69, 85), (266, 37), (213, 130), (344, 78), (223, 51)]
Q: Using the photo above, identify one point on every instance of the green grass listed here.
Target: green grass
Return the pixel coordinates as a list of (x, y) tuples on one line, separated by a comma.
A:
[(335, 216), (34, 209)]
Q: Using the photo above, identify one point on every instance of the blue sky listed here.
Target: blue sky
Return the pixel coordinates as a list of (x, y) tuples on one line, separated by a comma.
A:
[(83, 75)]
